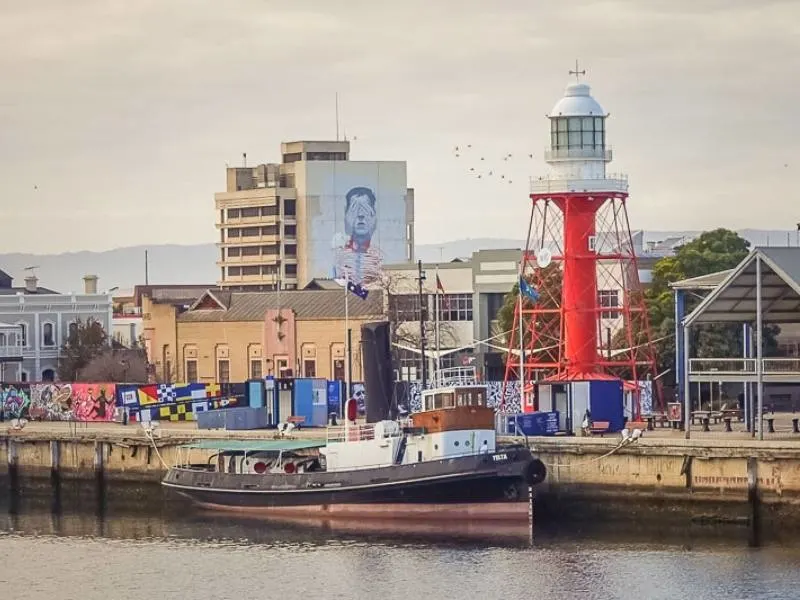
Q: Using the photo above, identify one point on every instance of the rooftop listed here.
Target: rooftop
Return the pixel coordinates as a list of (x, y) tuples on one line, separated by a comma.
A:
[(217, 305)]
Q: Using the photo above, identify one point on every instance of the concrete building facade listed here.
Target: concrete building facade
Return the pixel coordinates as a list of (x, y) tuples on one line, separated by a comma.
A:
[(234, 336), (35, 322), (284, 224)]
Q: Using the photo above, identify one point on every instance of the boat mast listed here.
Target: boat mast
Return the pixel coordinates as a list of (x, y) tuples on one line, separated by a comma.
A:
[(436, 324)]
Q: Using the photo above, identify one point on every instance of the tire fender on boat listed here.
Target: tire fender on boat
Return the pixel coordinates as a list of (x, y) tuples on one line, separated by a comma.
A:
[(535, 472)]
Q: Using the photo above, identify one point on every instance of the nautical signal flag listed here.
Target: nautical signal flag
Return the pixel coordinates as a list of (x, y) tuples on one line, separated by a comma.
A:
[(357, 290), (526, 289)]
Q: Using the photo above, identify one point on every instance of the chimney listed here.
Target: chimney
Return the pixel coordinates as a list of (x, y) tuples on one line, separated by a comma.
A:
[(31, 284), (90, 284)]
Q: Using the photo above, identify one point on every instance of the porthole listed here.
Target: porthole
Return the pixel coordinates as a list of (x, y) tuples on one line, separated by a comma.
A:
[(466, 444), (436, 446), (455, 444)]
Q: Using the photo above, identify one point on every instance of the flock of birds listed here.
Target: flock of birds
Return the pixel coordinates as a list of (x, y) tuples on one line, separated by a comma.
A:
[(501, 169)]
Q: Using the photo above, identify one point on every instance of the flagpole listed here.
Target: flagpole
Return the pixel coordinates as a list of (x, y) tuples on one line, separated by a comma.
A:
[(348, 374), (521, 341)]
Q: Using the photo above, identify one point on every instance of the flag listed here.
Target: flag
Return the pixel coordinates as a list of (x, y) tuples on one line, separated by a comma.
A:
[(357, 290), (439, 285), (526, 289)]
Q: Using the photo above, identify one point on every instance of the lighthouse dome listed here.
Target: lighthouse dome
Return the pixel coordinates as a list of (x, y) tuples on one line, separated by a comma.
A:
[(577, 102)]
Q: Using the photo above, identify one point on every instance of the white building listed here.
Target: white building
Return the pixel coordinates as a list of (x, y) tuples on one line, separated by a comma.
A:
[(35, 322)]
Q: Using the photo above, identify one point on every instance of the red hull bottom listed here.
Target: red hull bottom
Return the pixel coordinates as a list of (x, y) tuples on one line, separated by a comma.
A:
[(495, 511)]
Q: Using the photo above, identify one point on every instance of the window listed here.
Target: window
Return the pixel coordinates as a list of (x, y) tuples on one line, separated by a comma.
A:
[(310, 368), (608, 299), (269, 230), (290, 230), (256, 270), (234, 271), (576, 132), (223, 371), (2, 339), (48, 339), (404, 307), (291, 269), (338, 369), (191, 371), (455, 307), (72, 329), (290, 207), (251, 212), (234, 232), (255, 368), (269, 211), (23, 334), (233, 213), (270, 250), (48, 375), (282, 367), (269, 269), (290, 249), (23, 376), (250, 231), (250, 251), (234, 252), (292, 157)]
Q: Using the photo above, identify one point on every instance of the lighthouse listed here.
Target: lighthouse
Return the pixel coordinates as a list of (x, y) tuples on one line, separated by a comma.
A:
[(589, 320)]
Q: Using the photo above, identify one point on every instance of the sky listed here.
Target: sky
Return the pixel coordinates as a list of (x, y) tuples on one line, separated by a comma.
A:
[(117, 118)]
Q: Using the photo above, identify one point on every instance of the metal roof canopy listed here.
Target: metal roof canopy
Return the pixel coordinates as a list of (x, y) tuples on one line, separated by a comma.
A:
[(734, 299), (255, 445)]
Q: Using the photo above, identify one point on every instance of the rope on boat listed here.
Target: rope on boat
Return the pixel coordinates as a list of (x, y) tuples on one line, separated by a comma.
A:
[(149, 435), (623, 443)]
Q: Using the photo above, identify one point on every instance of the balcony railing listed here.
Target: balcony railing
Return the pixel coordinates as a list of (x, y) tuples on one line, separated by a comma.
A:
[(11, 351), (558, 154), (743, 367), (611, 183)]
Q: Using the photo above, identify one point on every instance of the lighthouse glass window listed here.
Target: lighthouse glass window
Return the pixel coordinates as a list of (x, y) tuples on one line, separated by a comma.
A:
[(576, 132)]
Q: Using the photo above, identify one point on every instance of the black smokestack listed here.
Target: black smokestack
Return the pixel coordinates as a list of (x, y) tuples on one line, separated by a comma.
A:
[(376, 357)]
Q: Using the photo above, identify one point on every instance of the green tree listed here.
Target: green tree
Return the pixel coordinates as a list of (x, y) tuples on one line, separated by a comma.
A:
[(85, 341), (548, 283), (712, 251)]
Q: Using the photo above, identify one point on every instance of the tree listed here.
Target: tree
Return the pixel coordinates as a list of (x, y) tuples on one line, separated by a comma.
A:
[(712, 251), (116, 366), (85, 341)]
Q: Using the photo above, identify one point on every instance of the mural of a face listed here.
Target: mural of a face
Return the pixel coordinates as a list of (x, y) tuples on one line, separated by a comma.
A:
[(360, 217)]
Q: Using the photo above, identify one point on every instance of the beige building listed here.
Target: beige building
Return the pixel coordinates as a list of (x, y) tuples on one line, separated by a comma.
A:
[(234, 336), (288, 223)]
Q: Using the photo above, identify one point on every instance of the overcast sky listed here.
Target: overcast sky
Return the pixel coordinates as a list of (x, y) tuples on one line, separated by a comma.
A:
[(117, 117)]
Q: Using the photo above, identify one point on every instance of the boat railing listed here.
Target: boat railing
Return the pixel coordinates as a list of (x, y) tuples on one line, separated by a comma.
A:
[(455, 376), (351, 433)]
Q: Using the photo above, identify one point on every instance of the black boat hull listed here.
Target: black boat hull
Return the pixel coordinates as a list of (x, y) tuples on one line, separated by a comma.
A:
[(461, 483)]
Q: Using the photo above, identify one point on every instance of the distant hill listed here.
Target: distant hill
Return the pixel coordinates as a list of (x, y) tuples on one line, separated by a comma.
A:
[(124, 267)]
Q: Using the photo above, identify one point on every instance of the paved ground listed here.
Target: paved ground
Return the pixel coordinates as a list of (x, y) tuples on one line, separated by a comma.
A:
[(782, 437)]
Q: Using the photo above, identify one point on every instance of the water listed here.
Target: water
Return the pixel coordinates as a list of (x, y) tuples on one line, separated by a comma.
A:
[(139, 546)]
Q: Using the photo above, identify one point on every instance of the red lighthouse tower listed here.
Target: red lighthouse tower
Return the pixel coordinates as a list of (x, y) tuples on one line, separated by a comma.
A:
[(589, 321)]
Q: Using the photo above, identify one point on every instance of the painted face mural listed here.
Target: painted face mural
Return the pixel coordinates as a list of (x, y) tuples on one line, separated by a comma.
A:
[(358, 259), (14, 401)]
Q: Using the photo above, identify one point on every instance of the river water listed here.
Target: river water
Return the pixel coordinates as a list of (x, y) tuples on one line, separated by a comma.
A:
[(147, 548)]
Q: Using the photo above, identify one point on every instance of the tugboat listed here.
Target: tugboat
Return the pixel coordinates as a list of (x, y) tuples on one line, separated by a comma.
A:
[(442, 462)]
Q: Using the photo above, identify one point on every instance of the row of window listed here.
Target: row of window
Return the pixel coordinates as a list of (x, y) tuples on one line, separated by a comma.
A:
[(452, 307), (289, 270), (289, 209), (48, 330), (577, 132), (223, 374), (270, 250)]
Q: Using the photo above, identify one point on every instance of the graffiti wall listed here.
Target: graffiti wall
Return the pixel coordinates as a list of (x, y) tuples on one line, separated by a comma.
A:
[(58, 401), (14, 400), (172, 401)]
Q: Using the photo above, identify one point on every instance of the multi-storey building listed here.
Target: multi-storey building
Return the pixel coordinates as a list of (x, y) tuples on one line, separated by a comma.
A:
[(35, 322), (316, 214), (228, 336)]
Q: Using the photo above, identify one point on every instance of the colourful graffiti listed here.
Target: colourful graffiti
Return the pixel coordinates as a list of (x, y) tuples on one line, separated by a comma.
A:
[(171, 402), (14, 400), (72, 401)]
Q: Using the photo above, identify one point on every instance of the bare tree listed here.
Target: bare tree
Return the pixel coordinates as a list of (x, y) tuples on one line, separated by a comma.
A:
[(116, 366)]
